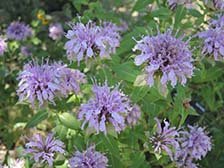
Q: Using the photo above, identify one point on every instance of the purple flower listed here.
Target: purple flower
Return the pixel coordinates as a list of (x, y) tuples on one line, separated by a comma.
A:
[(18, 31), (47, 81), (56, 31), (165, 57), (90, 40), (88, 159), (43, 150), (214, 39), (174, 3), (3, 46), (165, 139), (108, 107), (214, 42), (217, 23), (26, 50), (217, 4), (71, 80), (133, 115), (194, 144)]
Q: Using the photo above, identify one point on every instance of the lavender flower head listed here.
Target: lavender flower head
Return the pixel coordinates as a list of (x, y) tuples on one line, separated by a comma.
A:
[(214, 39), (217, 23), (166, 57), (26, 50), (19, 31), (43, 150), (88, 159), (108, 107), (43, 83), (213, 43), (217, 4), (165, 139), (3, 46), (56, 31), (90, 40), (133, 115), (194, 144)]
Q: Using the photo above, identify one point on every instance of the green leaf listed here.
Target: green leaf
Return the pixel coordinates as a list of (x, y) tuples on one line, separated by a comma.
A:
[(37, 118), (126, 71), (78, 3), (69, 121), (195, 13), (141, 4), (161, 12), (111, 144), (61, 131), (139, 93), (180, 14), (138, 159)]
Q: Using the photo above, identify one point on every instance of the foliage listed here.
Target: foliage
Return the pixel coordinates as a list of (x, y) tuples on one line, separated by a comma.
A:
[(198, 102)]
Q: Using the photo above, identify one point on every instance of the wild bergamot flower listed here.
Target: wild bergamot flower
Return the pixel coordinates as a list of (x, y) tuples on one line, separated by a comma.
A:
[(43, 83), (56, 31), (90, 40), (166, 57), (19, 31), (194, 144), (214, 39), (165, 139), (109, 107), (44, 149), (88, 159)]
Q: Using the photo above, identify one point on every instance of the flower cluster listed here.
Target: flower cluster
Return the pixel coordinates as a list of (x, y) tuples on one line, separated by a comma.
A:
[(110, 106), (166, 57), (3, 46), (90, 40), (43, 150), (88, 159), (183, 147), (194, 144), (165, 139), (56, 31), (18, 31), (47, 81), (214, 39)]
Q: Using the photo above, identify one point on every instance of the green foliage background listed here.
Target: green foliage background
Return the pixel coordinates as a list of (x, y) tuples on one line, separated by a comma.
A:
[(125, 150)]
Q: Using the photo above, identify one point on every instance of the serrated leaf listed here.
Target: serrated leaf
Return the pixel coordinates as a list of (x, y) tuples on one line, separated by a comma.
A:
[(126, 71)]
